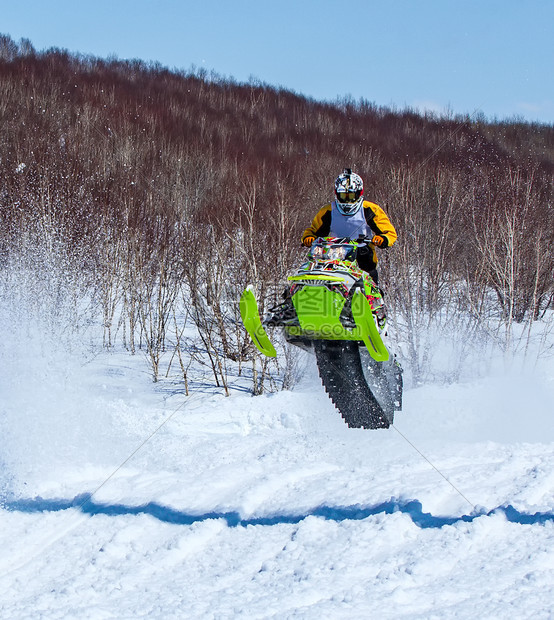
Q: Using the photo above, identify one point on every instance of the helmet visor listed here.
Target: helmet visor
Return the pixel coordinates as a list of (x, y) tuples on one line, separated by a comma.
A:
[(348, 197)]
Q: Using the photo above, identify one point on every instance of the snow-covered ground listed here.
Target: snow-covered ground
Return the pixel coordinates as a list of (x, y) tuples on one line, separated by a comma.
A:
[(121, 498)]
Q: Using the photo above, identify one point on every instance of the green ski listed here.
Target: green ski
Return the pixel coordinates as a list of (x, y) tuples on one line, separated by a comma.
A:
[(251, 320), (361, 311)]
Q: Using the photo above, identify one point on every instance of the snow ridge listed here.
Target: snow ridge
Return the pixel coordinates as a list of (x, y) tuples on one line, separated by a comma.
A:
[(166, 514)]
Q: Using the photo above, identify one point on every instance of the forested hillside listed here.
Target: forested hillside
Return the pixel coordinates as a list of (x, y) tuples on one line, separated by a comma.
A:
[(159, 195)]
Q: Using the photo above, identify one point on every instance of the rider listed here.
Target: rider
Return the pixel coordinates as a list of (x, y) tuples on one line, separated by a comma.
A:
[(350, 216)]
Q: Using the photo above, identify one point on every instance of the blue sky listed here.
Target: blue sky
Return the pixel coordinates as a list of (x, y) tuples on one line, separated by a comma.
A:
[(492, 56)]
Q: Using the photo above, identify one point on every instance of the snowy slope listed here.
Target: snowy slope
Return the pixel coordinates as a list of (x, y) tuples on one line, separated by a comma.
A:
[(214, 507)]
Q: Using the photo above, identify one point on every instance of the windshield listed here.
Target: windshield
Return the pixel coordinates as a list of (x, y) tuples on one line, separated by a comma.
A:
[(329, 249)]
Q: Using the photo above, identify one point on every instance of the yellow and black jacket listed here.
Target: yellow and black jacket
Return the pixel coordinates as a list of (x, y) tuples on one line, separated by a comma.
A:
[(374, 221)]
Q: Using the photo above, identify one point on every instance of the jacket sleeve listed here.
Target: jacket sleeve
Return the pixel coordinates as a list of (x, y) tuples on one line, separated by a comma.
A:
[(379, 223), (321, 224)]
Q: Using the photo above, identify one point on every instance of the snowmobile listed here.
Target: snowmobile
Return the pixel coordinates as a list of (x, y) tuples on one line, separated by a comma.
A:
[(336, 310)]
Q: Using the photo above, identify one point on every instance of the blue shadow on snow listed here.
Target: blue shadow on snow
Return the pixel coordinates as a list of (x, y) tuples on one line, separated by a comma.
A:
[(412, 508)]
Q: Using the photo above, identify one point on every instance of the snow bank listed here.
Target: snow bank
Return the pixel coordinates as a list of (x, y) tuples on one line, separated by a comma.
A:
[(122, 498)]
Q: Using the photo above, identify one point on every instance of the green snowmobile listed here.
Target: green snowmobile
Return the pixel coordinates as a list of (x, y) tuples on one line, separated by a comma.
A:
[(335, 309)]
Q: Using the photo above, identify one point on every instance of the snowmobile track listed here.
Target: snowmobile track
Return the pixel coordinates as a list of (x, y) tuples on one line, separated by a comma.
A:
[(342, 375)]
